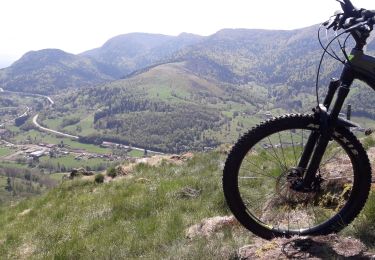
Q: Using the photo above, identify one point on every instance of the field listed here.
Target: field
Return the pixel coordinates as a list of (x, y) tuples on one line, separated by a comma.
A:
[(6, 164), (67, 163), (4, 151)]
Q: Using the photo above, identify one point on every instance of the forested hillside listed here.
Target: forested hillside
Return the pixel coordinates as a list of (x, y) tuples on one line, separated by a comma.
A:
[(167, 108), (175, 93)]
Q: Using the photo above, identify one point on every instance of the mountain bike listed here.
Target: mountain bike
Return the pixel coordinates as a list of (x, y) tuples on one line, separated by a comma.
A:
[(307, 174)]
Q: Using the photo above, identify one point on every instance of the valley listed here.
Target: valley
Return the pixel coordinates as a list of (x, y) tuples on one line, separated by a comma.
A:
[(143, 94)]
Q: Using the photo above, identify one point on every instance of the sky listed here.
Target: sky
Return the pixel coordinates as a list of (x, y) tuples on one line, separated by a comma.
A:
[(79, 25)]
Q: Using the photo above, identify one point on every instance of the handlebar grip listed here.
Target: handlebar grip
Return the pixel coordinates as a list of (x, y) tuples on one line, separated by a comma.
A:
[(368, 13)]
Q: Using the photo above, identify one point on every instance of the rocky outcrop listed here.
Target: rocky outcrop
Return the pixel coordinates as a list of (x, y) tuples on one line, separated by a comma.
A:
[(80, 172), (124, 170), (320, 247), (209, 226)]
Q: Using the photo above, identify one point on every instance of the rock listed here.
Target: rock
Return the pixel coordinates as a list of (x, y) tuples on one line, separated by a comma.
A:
[(224, 148), (125, 170), (188, 193), (320, 247), (209, 226), (25, 212), (80, 172)]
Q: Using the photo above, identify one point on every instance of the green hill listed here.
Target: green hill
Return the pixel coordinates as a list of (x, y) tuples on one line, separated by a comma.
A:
[(49, 71), (167, 108)]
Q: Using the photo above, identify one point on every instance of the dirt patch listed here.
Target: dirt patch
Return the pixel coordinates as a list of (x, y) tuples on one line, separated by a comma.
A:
[(25, 251), (320, 247)]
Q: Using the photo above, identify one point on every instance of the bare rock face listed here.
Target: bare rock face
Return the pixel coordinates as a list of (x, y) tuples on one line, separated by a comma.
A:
[(209, 226), (80, 172), (156, 160), (321, 247)]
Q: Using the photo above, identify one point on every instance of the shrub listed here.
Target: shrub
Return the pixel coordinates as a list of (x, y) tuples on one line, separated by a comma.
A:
[(111, 172), (99, 178), (368, 142)]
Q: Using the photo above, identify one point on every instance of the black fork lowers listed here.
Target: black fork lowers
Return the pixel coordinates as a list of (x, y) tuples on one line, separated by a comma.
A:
[(318, 140)]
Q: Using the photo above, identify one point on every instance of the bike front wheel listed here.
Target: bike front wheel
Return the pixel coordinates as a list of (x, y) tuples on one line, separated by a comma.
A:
[(261, 169)]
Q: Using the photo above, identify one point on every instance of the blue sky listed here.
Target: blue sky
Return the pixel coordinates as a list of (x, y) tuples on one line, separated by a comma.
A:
[(78, 25)]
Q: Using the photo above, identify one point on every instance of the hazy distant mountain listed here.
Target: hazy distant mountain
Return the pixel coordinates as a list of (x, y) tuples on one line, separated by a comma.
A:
[(233, 56), (129, 52), (50, 70), (263, 56)]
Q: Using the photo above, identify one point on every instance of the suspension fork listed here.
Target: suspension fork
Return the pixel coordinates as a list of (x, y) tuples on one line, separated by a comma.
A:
[(318, 140), (312, 140)]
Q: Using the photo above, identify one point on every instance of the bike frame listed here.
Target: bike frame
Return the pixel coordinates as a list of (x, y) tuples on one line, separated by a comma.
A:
[(358, 66)]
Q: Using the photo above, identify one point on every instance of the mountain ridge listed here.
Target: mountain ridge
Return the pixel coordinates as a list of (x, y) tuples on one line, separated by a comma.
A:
[(238, 55)]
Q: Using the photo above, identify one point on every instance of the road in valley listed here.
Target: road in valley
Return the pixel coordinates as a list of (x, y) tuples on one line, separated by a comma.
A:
[(10, 120), (35, 118), (42, 128)]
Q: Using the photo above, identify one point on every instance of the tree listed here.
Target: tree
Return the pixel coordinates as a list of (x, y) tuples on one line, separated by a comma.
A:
[(8, 187)]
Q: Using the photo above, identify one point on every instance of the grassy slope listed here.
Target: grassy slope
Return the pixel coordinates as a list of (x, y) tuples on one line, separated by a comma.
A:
[(133, 217), (123, 219), (4, 151)]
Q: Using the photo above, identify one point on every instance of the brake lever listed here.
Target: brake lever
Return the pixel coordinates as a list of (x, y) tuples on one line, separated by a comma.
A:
[(362, 24), (333, 21)]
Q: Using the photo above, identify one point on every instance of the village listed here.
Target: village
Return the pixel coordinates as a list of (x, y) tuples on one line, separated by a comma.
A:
[(35, 154)]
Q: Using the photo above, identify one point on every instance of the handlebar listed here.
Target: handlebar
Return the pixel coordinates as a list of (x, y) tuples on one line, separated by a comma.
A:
[(358, 22), (348, 8), (352, 18)]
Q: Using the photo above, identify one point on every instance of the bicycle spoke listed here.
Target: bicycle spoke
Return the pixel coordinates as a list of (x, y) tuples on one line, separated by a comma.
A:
[(282, 149), (277, 158), (258, 173), (266, 181), (274, 156), (294, 150)]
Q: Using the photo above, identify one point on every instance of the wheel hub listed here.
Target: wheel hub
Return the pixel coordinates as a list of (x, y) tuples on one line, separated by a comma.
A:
[(291, 191)]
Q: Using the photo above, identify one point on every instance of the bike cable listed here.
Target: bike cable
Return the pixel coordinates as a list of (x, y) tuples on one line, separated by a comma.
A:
[(326, 51)]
